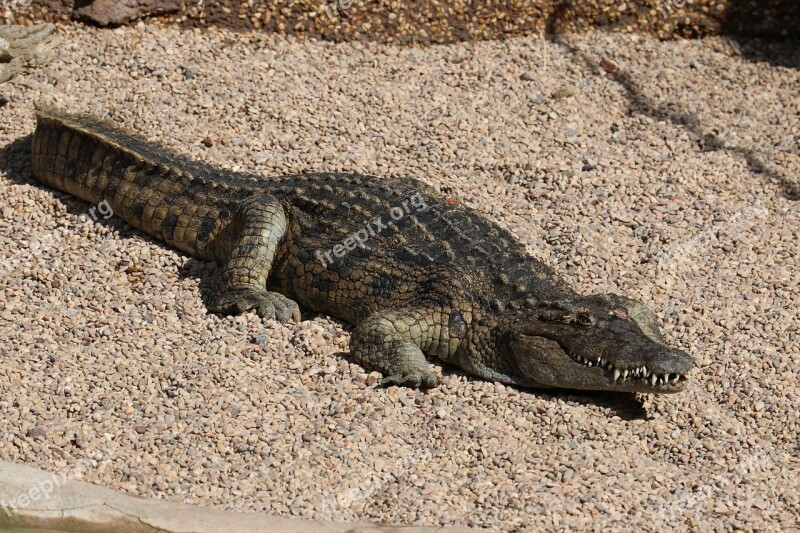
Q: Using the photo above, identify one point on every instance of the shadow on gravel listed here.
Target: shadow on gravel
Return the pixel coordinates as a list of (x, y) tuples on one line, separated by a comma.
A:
[(777, 53), (765, 31), (706, 141), (625, 405), (762, 31), (15, 161), (622, 404)]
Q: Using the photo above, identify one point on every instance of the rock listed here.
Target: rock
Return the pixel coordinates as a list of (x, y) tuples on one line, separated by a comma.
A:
[(25, 48), (115, 13), (36, 433), (607, 65), (58, 452), (563, 92)]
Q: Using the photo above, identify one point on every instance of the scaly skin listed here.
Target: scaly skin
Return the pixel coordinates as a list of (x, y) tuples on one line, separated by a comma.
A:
[(416, 273)]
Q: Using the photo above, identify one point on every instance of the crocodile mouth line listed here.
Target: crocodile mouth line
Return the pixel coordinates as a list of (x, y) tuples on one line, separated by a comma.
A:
[(639, 374)]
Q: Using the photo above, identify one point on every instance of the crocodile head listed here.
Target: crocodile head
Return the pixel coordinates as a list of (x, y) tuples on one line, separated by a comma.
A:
[(601, 342)]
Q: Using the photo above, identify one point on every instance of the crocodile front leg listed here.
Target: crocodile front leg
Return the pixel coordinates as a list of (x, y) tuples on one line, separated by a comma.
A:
[(252, 239), (392, 342)]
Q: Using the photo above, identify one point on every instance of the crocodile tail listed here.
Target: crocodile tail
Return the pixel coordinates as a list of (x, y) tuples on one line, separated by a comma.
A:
[(81, 121), (72, 153)]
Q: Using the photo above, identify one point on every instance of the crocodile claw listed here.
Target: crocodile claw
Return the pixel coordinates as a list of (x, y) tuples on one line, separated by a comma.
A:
[(266, 304), (423, 379)]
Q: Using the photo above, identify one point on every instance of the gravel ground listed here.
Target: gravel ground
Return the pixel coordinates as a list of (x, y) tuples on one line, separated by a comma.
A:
[(666, 171), (447, 21)]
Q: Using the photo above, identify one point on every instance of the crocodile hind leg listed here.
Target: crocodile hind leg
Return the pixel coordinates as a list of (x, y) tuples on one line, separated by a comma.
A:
[(252, 239), (391, 342)]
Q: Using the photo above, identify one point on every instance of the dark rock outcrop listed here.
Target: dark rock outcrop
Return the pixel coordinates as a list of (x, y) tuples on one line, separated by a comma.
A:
[(117, 12)]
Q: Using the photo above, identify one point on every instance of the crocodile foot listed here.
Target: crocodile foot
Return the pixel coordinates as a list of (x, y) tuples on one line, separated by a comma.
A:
[(265, 303), (423, 379)]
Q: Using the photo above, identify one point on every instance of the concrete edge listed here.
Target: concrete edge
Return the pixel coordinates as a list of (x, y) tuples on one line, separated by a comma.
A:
[(36, 499)]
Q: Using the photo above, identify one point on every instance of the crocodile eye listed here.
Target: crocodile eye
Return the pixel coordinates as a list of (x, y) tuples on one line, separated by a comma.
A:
[(619, 313), (584, 319)]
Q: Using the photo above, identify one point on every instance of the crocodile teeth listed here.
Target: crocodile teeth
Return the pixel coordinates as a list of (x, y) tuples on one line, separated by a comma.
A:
[(616, 375), (625, 375), (653, 380), (589, 363), (599, 360), (665, 377)]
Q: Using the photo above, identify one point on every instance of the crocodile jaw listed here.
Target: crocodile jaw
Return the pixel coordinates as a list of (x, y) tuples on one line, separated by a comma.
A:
[(545, 362)]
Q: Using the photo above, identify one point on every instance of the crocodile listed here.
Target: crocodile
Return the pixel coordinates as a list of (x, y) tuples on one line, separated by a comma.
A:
[(415, 272)]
